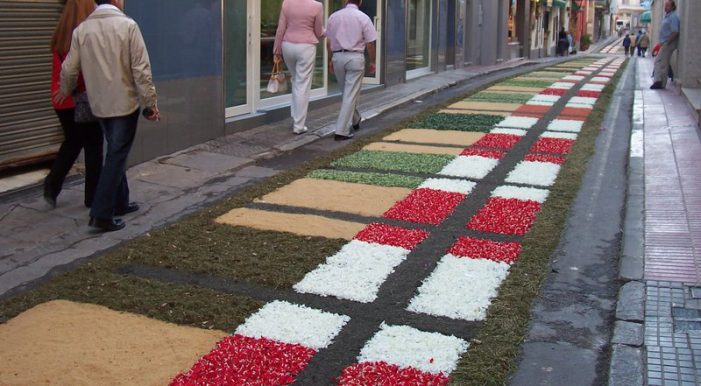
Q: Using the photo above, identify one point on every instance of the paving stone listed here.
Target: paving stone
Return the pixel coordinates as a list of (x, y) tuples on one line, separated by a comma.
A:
[(626, 366), (631, 302), (628, 333)]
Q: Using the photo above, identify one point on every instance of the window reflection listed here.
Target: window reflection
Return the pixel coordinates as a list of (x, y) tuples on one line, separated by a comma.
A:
[(419, 31)]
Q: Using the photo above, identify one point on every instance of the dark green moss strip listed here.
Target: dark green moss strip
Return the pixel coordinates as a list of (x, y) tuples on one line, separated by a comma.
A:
[(403, 162), (462, 122), (500, 97)]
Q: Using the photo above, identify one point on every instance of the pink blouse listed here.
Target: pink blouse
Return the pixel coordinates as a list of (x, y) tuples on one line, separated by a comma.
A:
[(300, 22)]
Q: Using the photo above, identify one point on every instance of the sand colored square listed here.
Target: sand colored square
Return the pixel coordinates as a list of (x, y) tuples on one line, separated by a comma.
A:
[(412, 148), (67, 343), (365, 200), (299, 224), (445, 137), (468, 111), (490, 106)]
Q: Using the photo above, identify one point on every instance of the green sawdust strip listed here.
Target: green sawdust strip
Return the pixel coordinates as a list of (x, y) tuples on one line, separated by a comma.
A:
[(368, 178), (493, 354), (544, 74), (500, 97), (466, 122), (526, 83), (403, 162)]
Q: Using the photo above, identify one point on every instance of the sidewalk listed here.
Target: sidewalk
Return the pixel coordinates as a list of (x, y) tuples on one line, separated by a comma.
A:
[(36, 240), (659, 307)]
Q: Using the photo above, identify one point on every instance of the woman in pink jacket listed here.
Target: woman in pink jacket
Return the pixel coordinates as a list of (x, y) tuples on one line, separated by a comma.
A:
[(298, 32)]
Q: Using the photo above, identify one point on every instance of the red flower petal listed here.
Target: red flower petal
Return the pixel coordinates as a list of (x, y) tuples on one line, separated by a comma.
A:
[(554, 91), (474, 248), (391, 235), (487, 153), (240, 360), (425, 206), (575, 112), (588, 94), (507, 216), (532, 109), (545, 158), (382, 373), (552, 145), (529, 115), (501, 141)]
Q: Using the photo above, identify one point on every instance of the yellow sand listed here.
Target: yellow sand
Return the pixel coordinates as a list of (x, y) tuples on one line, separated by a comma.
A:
[(300, 224), (366, 200), (410, 148), (446, 137), (467, 111), (67, 343), (491, 106)]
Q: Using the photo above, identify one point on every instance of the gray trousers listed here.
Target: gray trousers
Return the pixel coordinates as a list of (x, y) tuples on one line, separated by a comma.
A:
[(662, 63), (349, 68)]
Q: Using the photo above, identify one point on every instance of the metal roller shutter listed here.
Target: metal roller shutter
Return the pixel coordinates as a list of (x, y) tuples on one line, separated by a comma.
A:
[(29, 129)]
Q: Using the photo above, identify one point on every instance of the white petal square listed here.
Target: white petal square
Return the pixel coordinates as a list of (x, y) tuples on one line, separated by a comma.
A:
[(545, 98), (593, 87), (449, 185), (518, 122), (562, 85), (295, 324), (539, 103), (579, 106), (534, 173), (558, 134), (520, 193), (405, 346), (356, 272), (503, 130), (566, 125), (469, 167), (583, 100), (574, 77), (460, 288), (604, 79)]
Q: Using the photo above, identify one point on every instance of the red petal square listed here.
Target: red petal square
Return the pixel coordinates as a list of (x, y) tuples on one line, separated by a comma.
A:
[(588, 94), (487, 153), (552, 145), (533, 109), (474, 248), (382, 373), (545, 158), (554, 91), (529, 115), (240, 360), (501, 141), (391, 235), (425, 206), (575, 112), (507, 216)]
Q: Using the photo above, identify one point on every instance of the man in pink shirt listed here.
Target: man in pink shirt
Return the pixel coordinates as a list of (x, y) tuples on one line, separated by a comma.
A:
[(298, 31), (349, 31)]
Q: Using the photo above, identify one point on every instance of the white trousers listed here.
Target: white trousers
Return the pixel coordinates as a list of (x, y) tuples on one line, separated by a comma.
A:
[(299, 59), (349, 68)]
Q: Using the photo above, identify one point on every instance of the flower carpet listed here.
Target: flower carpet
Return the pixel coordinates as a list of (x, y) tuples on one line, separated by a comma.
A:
[(430, 220)]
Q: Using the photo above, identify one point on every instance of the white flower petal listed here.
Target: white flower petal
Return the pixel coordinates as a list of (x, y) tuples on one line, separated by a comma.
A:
[(503, 130), (558, 134), (545, 98), (469, 167), (566, 125), (574, 77), (583, 100), (593, 87), (579, 106), (518, 122), (356, 272), (290, 323), (405, 346), (534, 173), (562, 85), (460, 288), (448, 185), (520, 193), (600, 79)]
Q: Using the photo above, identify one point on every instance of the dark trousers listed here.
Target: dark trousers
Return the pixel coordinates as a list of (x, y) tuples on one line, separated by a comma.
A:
[(112, 189), (76, 137)]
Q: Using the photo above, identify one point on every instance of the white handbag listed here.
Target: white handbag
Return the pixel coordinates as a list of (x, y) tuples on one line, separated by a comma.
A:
[(278, 81)]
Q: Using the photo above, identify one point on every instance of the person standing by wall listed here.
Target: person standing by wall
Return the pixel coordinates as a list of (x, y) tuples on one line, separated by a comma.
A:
[(298, 31), (76, 136), (349, 32), (669, 40), (109, 49)]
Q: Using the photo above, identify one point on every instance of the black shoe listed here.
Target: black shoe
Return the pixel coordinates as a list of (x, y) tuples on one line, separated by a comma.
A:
[(339, 137), (132, 207), (656, 86), (107, 225), (356, 127)]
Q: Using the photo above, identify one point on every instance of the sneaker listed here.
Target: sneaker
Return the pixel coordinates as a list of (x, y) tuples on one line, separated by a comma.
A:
[(300, 131)]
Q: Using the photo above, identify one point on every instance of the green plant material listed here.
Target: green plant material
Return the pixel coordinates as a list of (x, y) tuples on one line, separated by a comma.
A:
[(403, 162), (585, 40), (379, 179), (526, 83), (544, 74), (500, 97), (493, 358), (461, 122)]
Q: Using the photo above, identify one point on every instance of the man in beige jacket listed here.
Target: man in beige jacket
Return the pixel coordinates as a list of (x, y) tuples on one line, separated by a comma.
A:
[(109, 50)]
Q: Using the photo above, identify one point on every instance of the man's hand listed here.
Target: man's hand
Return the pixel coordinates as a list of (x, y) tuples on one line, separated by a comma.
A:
[(59, 97), (155, 114)]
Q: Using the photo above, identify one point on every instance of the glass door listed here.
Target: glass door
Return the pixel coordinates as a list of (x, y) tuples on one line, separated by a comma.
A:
[(418, 50), (237, 49)]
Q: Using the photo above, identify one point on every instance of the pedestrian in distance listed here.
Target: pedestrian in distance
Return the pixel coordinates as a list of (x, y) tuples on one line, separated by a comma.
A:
[(110, 51), (77, 136), (299, 30), (644, 43), (637, 41), (626, 44), (349, 32), (669, 40), (562, 44), (631, 48)]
